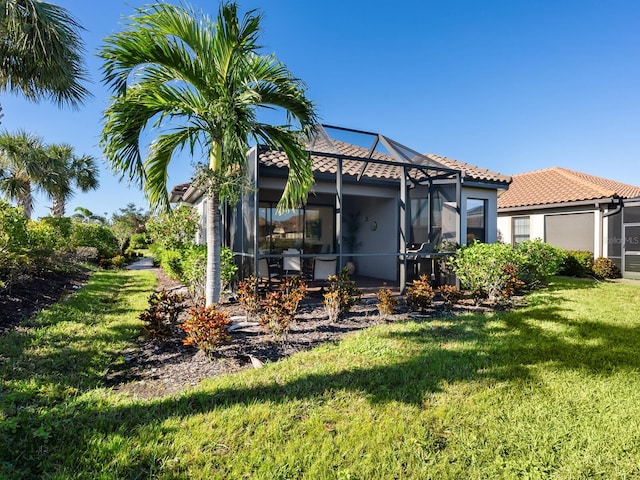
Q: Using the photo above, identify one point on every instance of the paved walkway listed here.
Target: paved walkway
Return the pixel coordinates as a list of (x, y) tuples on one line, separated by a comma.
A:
[(145, 263)]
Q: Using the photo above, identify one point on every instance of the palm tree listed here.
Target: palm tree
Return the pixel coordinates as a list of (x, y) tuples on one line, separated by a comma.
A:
[(41, 52), (24, 167), (84, 215), (198, 83), (81, 172)]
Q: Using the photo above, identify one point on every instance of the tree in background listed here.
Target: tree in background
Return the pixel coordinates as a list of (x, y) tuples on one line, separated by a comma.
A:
[(199, 83), (126, 222), (73, 171), (41, 52), (84, 215), (24, 168)]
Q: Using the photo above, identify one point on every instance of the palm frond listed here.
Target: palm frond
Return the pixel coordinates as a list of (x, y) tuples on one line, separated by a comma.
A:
[(41, 37)]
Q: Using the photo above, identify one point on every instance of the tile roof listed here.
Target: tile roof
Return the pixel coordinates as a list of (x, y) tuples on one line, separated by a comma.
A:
[(326, 164), (561, 185)]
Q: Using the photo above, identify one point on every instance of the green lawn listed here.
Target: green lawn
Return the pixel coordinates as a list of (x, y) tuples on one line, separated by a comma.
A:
[(548, 391)]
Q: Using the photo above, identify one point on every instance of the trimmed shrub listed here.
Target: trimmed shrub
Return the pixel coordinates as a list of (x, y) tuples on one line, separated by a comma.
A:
[(94, 235), (420, 294), (163, 311), (577, 263), (206, 328), (605, 268), (483, 269), (280, 307), (348, 294), (386, 301), (539, 262), (450, 294)]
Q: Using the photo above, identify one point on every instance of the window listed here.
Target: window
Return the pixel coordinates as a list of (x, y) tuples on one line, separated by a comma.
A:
[(520, 230), (476, 220), (310, 229)]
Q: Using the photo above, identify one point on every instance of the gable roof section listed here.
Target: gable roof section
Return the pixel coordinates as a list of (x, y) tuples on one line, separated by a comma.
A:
[(384, 165), (561, 185)]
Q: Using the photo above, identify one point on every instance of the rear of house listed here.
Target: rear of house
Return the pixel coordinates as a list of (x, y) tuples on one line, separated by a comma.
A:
[(575, 211), (374, 202)]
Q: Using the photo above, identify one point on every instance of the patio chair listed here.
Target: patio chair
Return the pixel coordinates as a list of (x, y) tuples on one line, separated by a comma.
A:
[(291, 262), (265, 274), (323, 268)]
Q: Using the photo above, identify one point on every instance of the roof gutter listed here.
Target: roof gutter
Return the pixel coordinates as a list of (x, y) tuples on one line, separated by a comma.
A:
[(596, 202)]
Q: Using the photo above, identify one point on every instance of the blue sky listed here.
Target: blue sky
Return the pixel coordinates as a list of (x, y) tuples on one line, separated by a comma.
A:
[(508, 85)]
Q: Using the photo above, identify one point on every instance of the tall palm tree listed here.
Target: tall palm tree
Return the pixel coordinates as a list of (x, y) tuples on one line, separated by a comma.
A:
[(41, 52), (72, 171), (198, 83), (24, 168)]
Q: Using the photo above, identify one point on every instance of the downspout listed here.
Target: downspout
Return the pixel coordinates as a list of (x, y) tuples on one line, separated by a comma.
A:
[(615, 211)]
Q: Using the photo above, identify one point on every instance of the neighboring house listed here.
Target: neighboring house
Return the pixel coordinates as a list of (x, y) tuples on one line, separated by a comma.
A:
[(372, 200), (575, 211)]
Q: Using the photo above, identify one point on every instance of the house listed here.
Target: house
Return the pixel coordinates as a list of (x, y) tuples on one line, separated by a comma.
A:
[(374, 200), (575, 211)]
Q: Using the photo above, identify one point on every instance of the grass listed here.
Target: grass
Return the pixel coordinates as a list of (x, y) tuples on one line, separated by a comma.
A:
[(546, 391)]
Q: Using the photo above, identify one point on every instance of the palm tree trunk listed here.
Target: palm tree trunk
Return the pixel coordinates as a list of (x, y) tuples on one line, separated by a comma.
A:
[(213, 250), (25, 200), (58, 206)]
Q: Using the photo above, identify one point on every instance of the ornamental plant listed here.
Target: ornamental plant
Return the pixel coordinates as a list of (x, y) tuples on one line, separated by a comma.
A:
[(539, 261), (450, 294), (279, 307), (163, 311), (577, 263), (248, 297), (386, 301), (331, 303), (605, 268), (347, 293), (480, 267), (206, 328), (420, 294)]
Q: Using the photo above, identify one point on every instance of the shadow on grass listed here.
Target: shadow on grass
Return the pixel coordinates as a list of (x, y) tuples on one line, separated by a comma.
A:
[(70, 353), (496, 348)]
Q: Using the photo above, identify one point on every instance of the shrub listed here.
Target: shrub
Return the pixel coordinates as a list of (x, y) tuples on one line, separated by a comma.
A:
[(138, 241), (94, 235), (577, 263), (62, 226), (192, 270), (480, 268), (228, 268), (348, 294), (331, 303), (605, 268), (248, 297), (87, 254), (450, 294), (279, 307), (386, 301), (163, 310), (171, 263), (539, 262), (174, 230), (206, 328), (420, 294), (512, 284), (118, 262)]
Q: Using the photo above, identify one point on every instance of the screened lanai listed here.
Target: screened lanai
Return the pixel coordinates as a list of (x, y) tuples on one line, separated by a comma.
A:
[(376, 204)]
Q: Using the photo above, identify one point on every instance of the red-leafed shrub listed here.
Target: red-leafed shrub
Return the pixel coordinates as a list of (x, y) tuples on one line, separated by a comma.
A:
[(206, 328)]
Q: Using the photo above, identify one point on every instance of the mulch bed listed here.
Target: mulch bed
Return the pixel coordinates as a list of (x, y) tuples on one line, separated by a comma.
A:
[(155, 367)]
